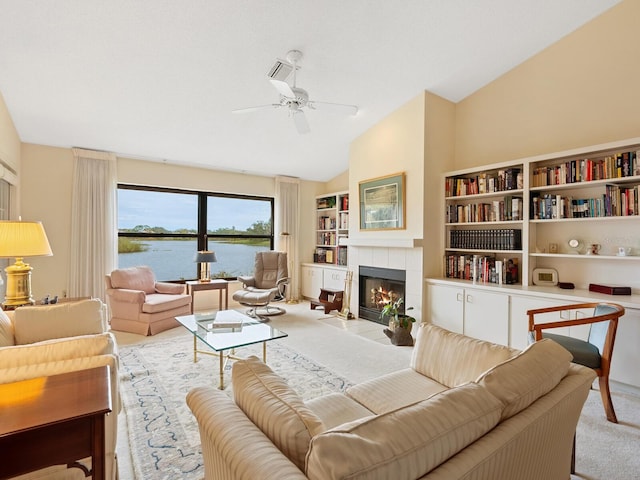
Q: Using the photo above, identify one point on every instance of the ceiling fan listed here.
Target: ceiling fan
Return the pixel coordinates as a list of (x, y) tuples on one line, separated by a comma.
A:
[(293, 98)]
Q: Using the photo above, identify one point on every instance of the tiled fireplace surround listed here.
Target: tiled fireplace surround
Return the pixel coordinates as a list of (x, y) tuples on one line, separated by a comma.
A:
[(392, 255)]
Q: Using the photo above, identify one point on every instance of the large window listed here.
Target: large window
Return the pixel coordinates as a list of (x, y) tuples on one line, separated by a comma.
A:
[(163, 228)]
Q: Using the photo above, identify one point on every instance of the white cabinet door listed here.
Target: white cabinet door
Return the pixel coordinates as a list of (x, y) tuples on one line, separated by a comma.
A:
[(311, 281), (446, 307), (334, 278), (486, 316), (624, 363)]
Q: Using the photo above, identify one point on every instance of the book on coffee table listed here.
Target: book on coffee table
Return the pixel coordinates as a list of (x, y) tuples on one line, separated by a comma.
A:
[(229, 319)]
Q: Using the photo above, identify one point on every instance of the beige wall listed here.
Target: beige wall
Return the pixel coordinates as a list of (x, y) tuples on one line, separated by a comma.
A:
[(581, 91), (396, 144), (9, 139), (47, 174)]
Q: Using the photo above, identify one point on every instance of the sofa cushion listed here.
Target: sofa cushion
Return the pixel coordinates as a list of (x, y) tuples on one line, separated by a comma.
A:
[(170, 288), (6, 330), (405, 443), (274, 408), (523, 379), (453, 359), (57, 350), (336, 408), (68, 319), (134, 278), (159, 302), (394, 390)]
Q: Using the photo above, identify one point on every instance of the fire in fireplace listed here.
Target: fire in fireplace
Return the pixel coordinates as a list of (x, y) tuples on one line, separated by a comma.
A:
[(379, 286)]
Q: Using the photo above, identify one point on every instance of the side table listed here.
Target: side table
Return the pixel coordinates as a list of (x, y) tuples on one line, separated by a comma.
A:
[(55, 420), (194, 285)]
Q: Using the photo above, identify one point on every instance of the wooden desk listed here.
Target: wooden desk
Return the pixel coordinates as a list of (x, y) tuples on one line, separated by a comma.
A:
[(55, 420), (194, 285)]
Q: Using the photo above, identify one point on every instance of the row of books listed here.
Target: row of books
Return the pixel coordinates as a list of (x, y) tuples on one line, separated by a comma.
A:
[(344, 221), (617, 201), (620, 165), (342, 256), (344, 203), (326, 238), (478, 268), (326, 223), (490, 239), (486, 182), (509, 208), (323, 255)]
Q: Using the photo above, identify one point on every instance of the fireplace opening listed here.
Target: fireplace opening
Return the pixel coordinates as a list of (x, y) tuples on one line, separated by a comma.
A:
[(379, 286)]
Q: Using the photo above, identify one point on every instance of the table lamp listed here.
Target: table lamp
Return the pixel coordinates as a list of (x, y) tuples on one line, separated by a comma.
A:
[(21, 239), (204, 258)]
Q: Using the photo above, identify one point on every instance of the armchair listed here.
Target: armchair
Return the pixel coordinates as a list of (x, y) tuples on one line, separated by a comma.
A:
[(139, 304), (596, 351), (268, 283)]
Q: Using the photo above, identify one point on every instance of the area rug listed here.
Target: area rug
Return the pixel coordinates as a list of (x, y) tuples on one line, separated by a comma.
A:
[(155, 378)]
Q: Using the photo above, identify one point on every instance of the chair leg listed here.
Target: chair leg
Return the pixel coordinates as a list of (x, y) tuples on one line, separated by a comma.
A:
[(606, 399), (573, 456)]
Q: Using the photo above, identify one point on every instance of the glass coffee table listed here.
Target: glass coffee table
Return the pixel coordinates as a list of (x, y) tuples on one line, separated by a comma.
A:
[(224, 331)]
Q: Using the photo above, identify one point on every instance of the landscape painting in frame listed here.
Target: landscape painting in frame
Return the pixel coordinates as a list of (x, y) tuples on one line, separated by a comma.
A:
[(382, 203)]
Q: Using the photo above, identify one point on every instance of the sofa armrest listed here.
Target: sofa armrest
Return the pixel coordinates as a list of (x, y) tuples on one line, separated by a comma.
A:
[(126, 295), (170, 288), (247, 281), (225, 432)]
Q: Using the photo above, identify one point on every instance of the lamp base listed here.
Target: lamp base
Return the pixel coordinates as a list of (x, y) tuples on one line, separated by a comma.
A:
[(18, 292)]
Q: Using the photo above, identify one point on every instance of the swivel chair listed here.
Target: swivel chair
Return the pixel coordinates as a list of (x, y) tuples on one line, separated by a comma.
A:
[(267, 284)]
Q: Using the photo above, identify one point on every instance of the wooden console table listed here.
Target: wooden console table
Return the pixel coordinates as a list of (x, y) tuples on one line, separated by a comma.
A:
[(56, 420), (218, 284)]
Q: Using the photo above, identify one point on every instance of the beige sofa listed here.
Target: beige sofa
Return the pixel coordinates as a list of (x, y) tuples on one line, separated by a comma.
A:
[(48, 340), (464, 409)]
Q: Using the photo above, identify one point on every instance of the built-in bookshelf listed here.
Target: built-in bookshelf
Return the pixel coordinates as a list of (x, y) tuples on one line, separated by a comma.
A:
[(484, 212), (522, 215), (332, 228)]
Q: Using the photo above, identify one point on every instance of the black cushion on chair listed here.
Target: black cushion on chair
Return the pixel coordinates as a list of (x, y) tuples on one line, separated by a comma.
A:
[(583, 352)]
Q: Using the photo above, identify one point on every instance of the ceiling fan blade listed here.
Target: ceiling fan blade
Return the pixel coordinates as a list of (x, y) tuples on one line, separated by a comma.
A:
[(352, 108), (300, 120), (283, 88), (253, 109)]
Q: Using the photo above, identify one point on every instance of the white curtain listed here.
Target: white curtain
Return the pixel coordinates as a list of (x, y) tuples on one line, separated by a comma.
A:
[(287, 223), (93, 222)]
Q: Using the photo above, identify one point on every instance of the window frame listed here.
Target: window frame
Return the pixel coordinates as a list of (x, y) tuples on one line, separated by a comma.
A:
[(202, 236)]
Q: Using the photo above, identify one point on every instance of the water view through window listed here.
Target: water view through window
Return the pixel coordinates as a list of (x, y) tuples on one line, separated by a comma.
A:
[(163, 228)]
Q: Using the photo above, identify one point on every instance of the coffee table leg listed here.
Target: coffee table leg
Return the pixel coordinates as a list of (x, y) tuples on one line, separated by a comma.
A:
[(221, 387), (195, 351), (264, 352)]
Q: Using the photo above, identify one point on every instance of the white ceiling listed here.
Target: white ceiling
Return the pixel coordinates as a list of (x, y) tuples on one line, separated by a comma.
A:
[(158, 79)]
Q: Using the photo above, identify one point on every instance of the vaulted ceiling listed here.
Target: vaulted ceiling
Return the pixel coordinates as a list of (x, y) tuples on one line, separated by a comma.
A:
[(158, 79)]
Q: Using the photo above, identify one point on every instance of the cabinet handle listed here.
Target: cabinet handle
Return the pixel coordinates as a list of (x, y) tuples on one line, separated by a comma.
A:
[(469, 299), (459, 297)]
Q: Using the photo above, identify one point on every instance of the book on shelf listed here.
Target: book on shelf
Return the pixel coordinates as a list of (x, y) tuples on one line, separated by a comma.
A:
[(482, 268)]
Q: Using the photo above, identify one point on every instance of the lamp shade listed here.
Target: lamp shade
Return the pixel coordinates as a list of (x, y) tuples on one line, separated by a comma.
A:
[(205, 256), (23, 239)]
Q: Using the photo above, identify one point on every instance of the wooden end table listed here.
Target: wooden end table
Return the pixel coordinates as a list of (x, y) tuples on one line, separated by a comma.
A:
[(56, 420), (194, 286)]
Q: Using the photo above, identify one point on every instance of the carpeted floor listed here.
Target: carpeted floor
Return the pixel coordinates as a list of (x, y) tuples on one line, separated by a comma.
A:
[(321, 354)]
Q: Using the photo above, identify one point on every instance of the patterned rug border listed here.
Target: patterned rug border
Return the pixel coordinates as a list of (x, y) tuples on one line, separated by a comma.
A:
[(154, 380)]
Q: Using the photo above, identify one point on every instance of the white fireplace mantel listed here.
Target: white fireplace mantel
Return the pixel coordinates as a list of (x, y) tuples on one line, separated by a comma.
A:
[(382, 242)]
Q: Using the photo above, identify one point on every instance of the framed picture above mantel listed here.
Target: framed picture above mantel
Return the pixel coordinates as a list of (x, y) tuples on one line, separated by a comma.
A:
[(382, 203)]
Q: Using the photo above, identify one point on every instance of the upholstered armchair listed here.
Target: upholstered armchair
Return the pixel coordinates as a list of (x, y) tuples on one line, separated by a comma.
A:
[(139, 304), (43, 340), (267, 284)]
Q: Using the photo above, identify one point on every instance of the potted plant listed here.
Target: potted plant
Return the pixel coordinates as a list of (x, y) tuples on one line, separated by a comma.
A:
[(400, 324)]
